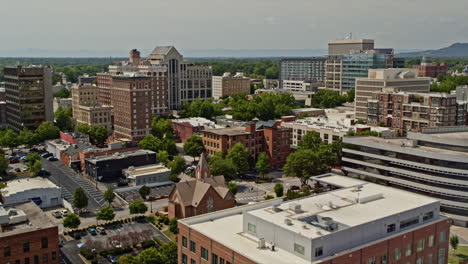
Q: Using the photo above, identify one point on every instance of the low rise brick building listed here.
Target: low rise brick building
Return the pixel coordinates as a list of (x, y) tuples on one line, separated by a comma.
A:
[(200, 195), (360, 222), (185, 127), (256, 136), (27, 235), (431, 69)]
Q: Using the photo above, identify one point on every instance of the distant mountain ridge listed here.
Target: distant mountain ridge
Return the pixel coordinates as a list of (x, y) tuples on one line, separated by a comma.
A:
[(454, 50)]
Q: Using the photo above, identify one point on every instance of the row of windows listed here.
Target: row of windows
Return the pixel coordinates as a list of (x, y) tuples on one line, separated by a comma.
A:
[(215, 259)]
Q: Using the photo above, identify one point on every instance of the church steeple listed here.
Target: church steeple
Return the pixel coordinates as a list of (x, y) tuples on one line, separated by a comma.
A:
[(203, 169)]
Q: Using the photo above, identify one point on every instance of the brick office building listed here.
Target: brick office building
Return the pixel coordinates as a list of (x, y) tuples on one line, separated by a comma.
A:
[(256, 136), (185, 127), (27, 235), (200, 195), (358, 223), (431, 69)]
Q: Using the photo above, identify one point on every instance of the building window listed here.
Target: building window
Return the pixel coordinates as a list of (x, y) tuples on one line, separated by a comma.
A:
[(420, 260), (44, 242), (442, 237), (26, 246), (45, 258), (184, 242), (409, 222), (298, 249), (409, 250), (391, 228), (214, 258), (7, 252), (383, 259), (204, 253), (192, 261), (318, 251), (431, 241), (36, 259), (420, 246), (252, 228), (221, 261), (193, 246), (17, 261), (184, 259), (371, 261), (397, 254), (429, 258), (441, 256), (54, 255), (26, 260), (428, 216)]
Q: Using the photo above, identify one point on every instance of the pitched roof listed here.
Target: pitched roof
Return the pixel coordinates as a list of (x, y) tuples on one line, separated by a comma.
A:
[(192, 191), (203, 169), (162, 50)]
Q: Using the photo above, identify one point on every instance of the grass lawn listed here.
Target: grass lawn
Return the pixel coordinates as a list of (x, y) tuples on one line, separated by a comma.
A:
[(457, 255), (169, 234)]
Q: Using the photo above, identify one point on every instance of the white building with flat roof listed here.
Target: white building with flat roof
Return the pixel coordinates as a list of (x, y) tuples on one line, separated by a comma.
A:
[(142, 175), (41, 191), (314, 228)]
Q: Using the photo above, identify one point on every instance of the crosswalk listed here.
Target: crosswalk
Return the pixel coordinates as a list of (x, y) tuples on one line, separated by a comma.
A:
[(250, 196)]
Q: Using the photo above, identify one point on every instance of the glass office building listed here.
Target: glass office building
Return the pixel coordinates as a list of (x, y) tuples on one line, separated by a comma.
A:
[(356, 65)]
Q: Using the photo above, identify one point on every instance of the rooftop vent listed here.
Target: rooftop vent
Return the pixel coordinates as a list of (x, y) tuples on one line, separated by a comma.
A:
[(369, 198), (288, 221), (276, 208), (296, 208), (261, 243)]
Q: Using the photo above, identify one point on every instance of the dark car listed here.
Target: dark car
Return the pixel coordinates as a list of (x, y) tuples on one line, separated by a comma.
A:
[(52, 159), (14, 160), (18, 170), (112, 258), (77, 235), (46, 155), (294, 188), (43, 173), (122, 183)]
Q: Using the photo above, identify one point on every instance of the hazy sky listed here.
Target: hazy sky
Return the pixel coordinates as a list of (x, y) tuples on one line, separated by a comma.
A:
[(221, 24)]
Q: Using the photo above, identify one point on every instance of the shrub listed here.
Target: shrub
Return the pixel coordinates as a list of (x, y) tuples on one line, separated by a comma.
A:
[(148, 244), (88, 254), (268, 197)]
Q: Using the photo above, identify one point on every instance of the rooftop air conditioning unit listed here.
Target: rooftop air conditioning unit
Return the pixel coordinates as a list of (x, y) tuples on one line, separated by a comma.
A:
[(295, 207), (288, 221), (261, 243)]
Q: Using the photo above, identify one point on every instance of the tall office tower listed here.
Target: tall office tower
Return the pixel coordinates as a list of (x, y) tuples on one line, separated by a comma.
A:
[(357, 65), (228, 85), (186, 81), (334, 63), (29, 96), (302, 69), (402, 80)]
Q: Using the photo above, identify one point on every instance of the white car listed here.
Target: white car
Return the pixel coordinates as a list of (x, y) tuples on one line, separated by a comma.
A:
[(56, 214), (64, 213)]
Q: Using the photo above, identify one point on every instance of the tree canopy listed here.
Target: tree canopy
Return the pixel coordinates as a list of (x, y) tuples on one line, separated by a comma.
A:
[(106, 213), (449, 83), (201, 108), (71, 221), (303, 164), (328, 99), (63, 119), (265, 106), (80, 200), (239, 158), (263, 165), (63, 93), (138, 207), (194, 146), (156, 144)]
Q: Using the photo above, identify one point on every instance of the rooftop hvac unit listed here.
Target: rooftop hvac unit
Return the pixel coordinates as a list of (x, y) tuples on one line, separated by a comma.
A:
[(288, 221), (295, 207), (261, 243)]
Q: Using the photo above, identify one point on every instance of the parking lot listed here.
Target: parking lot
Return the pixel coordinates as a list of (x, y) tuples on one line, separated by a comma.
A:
[(122, 235), (131, 196)]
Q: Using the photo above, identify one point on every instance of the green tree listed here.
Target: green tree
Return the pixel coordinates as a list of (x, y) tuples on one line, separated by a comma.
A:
[(177, 165), (224, 167), (232, 186), (63, 119), (162, 128), (303, 164), (98, 134), (63, 93), (83, 128), (194, 146), (168, 252), (351, 94), (35, 167), (279, 190), (263, 164), (47, 130), (32, 157), (144, 191), (239, 157), (454, 242), (163, 157), (328, 99), (138, 207), (3, 164), (9, 139), (126, 259), (109, 196), (106, 213), (173, 226), (71, 221), (80, 200), (28, 137), (311, 140), (155, 144)]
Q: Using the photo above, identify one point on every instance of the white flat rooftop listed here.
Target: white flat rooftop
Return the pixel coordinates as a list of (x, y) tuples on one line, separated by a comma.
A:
[(26, 184)]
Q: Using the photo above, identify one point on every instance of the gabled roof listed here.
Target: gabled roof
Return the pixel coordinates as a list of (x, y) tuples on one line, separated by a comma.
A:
[(192, 191), (162, 50)]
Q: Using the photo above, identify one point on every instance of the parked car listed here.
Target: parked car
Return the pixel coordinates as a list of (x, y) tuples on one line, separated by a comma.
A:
[(18, 170), (112, 258), (92, 231), (14, 160), (77, 235), (43, 172), (56, 214), (46, 155), (34, 150), (24, 169), (294, 188), (64, 213), (101, 230), (122, 183), (52, 158)]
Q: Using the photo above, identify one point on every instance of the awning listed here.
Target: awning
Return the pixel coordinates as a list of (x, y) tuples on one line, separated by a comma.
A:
[(37, 200)]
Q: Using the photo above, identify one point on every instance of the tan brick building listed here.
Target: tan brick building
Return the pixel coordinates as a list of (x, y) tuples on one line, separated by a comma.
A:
[(87, 109), (228, 85), (200, 195), (256, 136)]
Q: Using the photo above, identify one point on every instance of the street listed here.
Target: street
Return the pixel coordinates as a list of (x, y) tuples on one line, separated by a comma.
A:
[(249, 191)]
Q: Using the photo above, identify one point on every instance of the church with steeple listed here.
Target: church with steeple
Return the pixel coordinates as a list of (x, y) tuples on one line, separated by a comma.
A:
[(201, 194)]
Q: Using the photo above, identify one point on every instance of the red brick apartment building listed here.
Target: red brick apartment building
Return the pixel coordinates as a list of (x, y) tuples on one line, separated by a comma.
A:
[(256, 136), (431, 69), (27, 236), (384, 225)]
